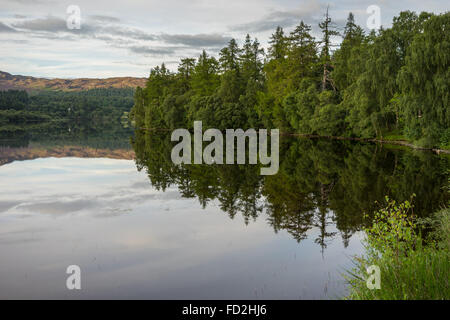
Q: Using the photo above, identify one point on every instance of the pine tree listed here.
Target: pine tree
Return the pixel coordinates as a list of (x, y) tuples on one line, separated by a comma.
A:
[(346, 60), (229, 57), (328, 30), (278, 44), (185, 71), (302, 54), (205, 77)]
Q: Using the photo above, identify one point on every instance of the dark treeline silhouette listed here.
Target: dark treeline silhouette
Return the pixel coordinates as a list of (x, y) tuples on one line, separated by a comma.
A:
[(98, 106), (320, 182), (393, 83), (65, 133)]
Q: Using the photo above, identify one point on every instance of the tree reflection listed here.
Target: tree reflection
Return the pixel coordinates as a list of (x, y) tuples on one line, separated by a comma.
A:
[(322, 184)]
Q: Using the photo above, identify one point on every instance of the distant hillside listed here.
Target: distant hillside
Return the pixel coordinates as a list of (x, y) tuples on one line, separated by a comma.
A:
[(9, 81), (8, 155)]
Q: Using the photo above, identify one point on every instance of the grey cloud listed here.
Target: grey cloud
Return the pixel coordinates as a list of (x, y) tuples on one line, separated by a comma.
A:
[(5, 205), (48, 24), (28, 2), (152, 50), (117, 35), (5, 29), (197, 40), (57, 25), (103, 18), (52, 26), (141, 185), (31, 230), (17, 41), (128, 33), (58, 207), (19, 241), (310, 12)]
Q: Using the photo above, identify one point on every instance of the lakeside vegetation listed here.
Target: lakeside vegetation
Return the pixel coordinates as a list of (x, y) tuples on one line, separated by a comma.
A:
[(413, 256), (58, 134), (96, 106), (393, 84)]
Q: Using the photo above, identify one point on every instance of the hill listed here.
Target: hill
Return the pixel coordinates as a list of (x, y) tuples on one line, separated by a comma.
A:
[(9, 81)]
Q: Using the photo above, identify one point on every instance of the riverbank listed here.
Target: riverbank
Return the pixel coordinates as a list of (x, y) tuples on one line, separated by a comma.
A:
[(376, 140), (402, 262)]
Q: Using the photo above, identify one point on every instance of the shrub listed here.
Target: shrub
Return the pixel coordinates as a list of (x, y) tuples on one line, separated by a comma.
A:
[(410, 267)]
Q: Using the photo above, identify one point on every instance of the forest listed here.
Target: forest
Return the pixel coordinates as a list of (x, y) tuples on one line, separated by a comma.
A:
[(390, 84), (96, 106)]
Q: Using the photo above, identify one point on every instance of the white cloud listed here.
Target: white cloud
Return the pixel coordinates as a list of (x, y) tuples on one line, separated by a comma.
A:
[(118, 38)]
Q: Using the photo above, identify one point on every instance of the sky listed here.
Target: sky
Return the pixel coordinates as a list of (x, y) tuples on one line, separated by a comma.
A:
[(127, 38)]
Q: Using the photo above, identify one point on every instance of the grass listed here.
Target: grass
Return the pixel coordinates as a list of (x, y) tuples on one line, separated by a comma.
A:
[(394, 135), (411, 267), (397, 135)]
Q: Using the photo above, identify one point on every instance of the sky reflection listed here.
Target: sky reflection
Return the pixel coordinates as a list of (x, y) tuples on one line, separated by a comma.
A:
[(148, 244)]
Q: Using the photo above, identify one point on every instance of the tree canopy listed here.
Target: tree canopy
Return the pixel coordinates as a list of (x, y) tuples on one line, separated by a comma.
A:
[(392, 82)]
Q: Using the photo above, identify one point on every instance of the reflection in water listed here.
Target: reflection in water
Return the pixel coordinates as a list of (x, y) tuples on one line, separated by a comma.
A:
[(133, 241), (161, 232), (320, 183), (59, 140)]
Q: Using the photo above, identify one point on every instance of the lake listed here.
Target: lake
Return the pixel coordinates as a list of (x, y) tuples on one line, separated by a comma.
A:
[(111, 201)]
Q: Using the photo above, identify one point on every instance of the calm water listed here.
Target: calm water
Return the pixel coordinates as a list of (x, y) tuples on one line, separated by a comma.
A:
[(140, 227)]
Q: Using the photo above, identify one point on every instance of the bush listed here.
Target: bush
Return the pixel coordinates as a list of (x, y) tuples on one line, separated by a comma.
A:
[(410, 267)]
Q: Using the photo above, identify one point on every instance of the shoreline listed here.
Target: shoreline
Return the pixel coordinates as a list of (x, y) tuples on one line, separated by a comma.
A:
[(375, 140)]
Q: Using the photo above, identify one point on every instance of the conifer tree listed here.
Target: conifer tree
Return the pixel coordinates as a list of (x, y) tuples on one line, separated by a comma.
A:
[(328, 30)]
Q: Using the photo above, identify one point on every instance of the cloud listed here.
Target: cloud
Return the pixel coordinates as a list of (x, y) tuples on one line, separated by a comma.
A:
[(28, 2), (55, 25), (16, 41), (5, 205), (48, 24), (5, 29), (127, 33), (146, 50), (308, 12), (102, 18), (118, 35), (196, 40), (58, 207), (51, 27)]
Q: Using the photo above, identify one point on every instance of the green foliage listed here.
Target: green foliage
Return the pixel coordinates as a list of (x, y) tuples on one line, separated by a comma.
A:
[(13, 99), (318, 180), (424, 81), (22, 116), (97, 106), (395, 79), (410, 267)]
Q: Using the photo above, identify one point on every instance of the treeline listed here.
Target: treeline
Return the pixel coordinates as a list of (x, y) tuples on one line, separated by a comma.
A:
[(390, 84), (65, 133), (99, 106)]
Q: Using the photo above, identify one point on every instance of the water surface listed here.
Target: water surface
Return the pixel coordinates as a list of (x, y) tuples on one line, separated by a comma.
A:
[(140, 227)]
